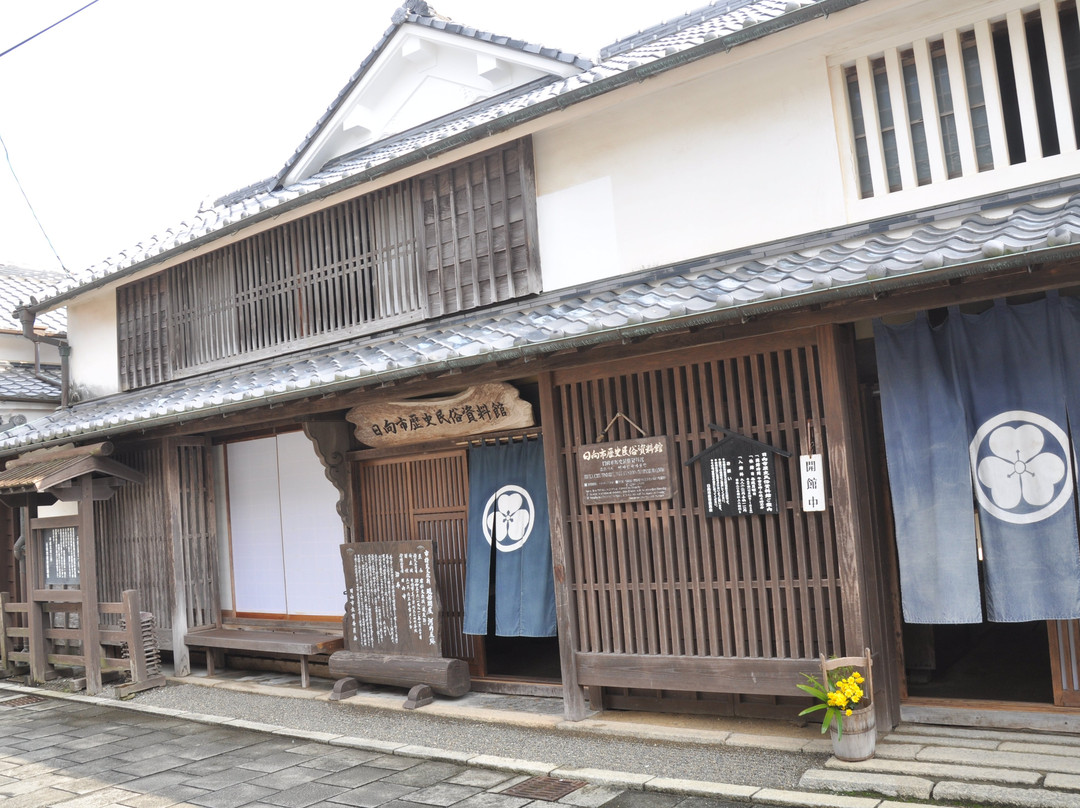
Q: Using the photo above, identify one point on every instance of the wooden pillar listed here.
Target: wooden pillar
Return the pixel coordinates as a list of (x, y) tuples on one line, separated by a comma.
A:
[(35, 615), (181, 656), (573, 694), (89, 620), (861, 592)]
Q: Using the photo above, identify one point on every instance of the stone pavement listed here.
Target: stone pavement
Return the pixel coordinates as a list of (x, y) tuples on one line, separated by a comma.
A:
[(81, 752)]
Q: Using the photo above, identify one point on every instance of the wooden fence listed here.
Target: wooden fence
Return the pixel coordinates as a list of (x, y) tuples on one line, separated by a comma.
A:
[(36, 643)]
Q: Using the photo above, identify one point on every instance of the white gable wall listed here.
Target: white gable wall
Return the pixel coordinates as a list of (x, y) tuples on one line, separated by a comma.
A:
[(421, 74), (737, 157)]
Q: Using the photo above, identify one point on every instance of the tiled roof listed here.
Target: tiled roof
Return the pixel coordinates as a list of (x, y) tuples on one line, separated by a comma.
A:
[(722, 288), (17, 286), (702, 34), (18, 382)]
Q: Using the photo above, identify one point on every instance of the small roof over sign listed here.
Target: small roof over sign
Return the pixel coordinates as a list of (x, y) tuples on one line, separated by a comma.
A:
[(39, 472)]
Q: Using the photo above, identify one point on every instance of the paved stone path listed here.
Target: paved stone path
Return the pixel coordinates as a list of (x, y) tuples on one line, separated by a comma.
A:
[(85, 755)]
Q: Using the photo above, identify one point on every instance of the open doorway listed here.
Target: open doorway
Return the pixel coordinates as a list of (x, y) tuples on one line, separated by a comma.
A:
[(1007, 662)]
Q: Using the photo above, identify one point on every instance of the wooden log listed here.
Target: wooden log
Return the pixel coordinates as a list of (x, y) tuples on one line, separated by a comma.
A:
[(450, 677)]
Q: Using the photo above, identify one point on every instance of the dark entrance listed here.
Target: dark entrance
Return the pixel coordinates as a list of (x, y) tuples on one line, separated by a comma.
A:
[(986, 661)]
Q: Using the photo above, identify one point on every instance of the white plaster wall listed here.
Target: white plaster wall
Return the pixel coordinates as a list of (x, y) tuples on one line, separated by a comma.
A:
[(17, 348), (92, 336), (737, 157)]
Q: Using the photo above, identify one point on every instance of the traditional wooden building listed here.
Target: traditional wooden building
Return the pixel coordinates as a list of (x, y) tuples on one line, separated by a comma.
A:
[(673, 257)]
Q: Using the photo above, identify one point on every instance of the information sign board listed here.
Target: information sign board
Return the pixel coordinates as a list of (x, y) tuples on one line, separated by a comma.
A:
[(391, 605), (625, 471)]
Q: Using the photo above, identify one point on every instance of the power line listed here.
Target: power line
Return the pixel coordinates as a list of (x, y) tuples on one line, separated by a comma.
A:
[(43, 30), (41, 227)]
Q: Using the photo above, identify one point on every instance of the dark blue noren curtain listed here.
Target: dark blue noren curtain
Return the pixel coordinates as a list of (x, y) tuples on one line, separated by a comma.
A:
[(508, 518), (929, 475), (987, 394)]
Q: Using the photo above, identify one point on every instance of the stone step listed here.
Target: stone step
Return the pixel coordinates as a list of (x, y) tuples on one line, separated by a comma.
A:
[(939, 771)]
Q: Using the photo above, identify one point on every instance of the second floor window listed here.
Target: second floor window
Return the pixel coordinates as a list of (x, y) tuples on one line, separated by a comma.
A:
[(451, 240)]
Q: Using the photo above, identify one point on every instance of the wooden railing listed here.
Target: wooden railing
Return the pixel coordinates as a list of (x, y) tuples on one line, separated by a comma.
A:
[(45, 649)]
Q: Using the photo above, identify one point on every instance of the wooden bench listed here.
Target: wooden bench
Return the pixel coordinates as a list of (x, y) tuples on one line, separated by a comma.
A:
[(303, 644)]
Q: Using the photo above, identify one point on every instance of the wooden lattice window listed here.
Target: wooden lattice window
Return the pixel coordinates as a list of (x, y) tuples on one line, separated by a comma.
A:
[(659, 578), (458, 238)]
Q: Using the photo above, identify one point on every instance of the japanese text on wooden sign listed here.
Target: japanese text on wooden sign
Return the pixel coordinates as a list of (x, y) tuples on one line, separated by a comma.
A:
[(740, 480), (391, 604), (625, 471)]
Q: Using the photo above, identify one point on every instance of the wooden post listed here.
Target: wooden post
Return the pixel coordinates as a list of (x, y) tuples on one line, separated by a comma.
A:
[(88, 584), (35, 615), (5, 641), (847, 522), (860, 591), (133, 632), (573, 694), (181, 655)]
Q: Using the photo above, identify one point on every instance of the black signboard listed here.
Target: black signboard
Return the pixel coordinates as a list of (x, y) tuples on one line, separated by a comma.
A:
[(391, 603), (739, 476)]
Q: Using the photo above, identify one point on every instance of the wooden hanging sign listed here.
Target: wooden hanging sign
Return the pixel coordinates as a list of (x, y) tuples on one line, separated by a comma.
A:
[(739, 475), (475, 410), (625, 471)]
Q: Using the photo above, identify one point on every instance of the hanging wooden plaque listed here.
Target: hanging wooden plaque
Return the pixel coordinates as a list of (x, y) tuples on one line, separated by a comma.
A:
[(478, 409), (625, 471)]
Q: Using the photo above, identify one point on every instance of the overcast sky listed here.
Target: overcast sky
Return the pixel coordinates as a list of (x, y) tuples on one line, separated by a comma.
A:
[(122, 119)]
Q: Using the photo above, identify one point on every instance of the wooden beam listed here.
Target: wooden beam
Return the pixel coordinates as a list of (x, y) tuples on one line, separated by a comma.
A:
[(762, 676)]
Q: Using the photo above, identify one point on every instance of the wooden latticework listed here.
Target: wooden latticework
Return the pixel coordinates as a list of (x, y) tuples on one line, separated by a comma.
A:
[(426, 497), (133, 536), (457, 238), (742, 602), (135, 530)]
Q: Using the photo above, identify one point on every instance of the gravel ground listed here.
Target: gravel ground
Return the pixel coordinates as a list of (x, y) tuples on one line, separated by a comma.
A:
[(723, 764)]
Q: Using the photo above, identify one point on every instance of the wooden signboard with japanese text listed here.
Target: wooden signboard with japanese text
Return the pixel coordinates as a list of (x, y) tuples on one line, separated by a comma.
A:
[(392, 605), (475, 410), (625, 471), (740, 478)]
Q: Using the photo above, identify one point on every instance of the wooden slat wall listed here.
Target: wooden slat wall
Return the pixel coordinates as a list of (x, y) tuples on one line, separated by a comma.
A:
[(133, 538), (479, 231), (426, 498), (198, 528), (143, 333), (351, 269), (659, 578)]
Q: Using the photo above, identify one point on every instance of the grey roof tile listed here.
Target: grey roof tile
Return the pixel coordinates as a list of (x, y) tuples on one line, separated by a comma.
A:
[(19, 382), (17, 286)]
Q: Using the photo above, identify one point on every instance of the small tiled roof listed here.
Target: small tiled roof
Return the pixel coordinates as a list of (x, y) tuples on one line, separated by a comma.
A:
[(49, 472), (702, 34), (20, 285), (20, 382), (856, 261)]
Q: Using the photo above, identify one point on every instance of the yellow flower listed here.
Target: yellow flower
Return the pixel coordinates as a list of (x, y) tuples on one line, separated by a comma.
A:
[(847, 712)]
